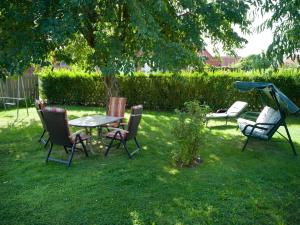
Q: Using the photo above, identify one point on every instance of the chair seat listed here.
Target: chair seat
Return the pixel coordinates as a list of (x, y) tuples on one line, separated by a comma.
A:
[(217, 115), (83, 137), (111, 134), (114, 125), (258, 133)]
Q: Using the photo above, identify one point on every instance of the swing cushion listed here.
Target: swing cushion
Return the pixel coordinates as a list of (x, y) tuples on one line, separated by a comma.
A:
[(268, 115)]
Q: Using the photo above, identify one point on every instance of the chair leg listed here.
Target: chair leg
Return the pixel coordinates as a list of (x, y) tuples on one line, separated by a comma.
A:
[(49, 152), (136, 142), (109, 146), (66, 150), (245, 144), (126, 149), (226, 120), (40, 139), (118, 146), (84, 148), (71, 155), (47, 142)]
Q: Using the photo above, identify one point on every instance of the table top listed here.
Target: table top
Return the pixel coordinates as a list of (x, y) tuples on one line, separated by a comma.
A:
[(93, 121)]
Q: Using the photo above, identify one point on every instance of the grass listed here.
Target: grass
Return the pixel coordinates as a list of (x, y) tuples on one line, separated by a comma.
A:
[(258, 186)]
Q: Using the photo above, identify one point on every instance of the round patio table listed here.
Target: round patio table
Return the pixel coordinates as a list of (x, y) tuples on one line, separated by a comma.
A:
[(95, 121)]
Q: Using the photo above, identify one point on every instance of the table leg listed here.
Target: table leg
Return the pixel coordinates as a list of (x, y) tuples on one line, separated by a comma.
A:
[(100, 136), (88, 131)]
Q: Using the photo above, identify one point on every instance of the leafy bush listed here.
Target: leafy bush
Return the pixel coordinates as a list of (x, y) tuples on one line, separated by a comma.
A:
[(165, 91), (188, 133)]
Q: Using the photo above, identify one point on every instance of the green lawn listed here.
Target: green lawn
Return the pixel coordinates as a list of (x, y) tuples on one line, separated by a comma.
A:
[(258, 186)]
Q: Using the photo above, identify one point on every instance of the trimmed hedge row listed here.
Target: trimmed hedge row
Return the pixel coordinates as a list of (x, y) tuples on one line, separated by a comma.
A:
[(163, 91)]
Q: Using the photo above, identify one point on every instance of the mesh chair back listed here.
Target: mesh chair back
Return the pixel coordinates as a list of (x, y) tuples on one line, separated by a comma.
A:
[(39, 105), (116, 106), (57, 126), (134, 121), (40, 113)]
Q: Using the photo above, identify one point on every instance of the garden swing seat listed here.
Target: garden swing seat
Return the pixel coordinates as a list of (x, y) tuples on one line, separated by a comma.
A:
[(10, 103), (269, 120)]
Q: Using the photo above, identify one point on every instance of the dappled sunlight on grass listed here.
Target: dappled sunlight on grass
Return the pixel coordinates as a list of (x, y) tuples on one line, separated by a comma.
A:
[(171, 170), (258, 186)]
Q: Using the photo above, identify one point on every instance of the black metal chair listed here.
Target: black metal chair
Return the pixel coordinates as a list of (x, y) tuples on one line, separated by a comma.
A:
[(124, 135), (39, 105), (57, 126)]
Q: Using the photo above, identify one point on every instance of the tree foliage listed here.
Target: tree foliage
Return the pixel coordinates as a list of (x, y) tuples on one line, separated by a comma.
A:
[(121, 33), (254, 62), (285, 23)]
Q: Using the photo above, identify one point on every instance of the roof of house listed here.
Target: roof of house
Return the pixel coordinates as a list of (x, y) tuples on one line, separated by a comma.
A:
[(223, 61)]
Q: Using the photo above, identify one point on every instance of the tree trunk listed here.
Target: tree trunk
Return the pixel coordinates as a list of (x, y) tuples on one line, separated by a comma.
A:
[(111, 88)]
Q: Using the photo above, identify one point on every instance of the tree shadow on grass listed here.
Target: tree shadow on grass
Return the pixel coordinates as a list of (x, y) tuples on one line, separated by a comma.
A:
[(229, 187)]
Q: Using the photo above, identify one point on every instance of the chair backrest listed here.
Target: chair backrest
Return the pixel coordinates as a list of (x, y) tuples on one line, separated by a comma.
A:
[(40, 114), (134, 121), (270, 115), (57, 126), (39, 105), (116, 106), (237, 108)]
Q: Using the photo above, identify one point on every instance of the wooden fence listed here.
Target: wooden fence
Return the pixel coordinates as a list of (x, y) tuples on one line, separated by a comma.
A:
[(25, 86)]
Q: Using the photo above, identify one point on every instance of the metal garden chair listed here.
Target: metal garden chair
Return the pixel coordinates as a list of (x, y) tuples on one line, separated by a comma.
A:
[(124, 135), (116, 108), (57, 126), (39, 105)]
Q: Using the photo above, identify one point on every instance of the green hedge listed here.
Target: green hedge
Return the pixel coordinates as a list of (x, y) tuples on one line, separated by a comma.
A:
[(164, 91)]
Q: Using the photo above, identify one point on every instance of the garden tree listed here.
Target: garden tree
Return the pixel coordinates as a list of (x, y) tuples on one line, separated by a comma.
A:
[(285, 23), (255, 62), (116, 34)]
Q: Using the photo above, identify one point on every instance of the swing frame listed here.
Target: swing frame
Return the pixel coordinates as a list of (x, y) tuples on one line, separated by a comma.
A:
[(275, 128), (4, 97), (282, 103)]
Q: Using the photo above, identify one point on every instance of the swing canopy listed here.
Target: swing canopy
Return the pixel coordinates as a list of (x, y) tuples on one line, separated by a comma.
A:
[(268, 89)]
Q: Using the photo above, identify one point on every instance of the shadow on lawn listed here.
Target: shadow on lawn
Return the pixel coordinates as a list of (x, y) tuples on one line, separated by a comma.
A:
[(231, 186)]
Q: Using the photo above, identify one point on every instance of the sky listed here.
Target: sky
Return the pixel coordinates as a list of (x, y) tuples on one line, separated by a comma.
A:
[(257, 42)]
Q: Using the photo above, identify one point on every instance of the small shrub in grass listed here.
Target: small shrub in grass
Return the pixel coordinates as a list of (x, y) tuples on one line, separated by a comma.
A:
[(188, 132)]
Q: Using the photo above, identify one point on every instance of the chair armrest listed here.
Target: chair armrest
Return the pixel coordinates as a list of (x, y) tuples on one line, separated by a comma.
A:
[(221, 110), (266, 124), (257, 125), (77, 132), (118, 129)]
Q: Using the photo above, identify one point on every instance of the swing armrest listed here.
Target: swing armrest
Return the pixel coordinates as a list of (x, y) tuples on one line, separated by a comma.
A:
[(257, 125)]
